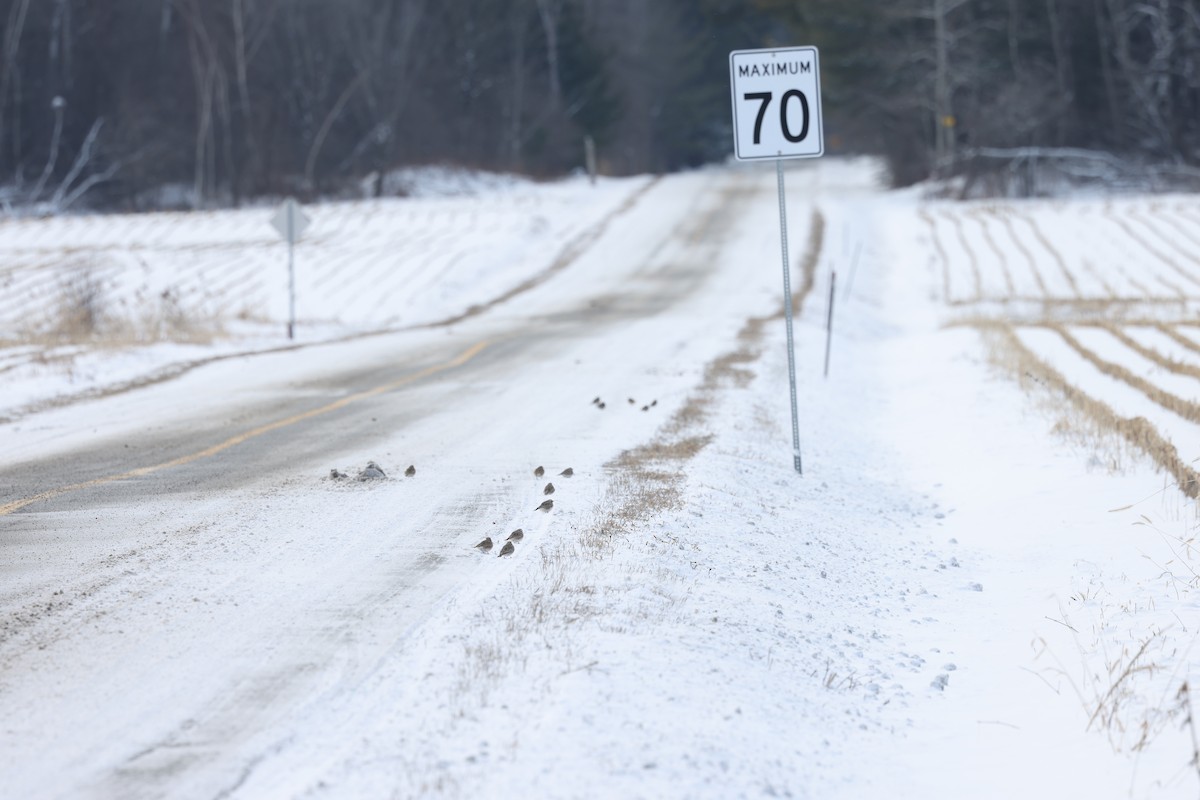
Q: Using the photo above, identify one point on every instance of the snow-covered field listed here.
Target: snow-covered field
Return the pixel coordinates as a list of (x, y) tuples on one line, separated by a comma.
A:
[(160, 292), (984, 585)]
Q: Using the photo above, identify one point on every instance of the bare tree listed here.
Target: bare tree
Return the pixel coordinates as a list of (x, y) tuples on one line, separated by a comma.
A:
[(10, 77)]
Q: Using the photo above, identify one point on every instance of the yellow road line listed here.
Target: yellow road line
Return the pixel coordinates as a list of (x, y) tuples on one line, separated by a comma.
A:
[(233, 441)]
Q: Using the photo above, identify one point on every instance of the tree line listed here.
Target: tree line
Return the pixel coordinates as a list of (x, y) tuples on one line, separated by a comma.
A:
[(956, 86), (223, 100)]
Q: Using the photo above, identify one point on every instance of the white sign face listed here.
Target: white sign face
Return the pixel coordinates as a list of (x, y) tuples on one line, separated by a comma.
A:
[(290, 221), (776, 103)]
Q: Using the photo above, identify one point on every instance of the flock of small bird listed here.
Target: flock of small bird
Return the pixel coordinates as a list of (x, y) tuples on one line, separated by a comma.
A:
[(600, 404), (370, 473), (509, 546), (375, 472)]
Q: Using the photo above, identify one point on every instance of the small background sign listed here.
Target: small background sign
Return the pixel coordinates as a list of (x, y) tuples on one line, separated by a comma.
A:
[(290, 221), (776, 103)]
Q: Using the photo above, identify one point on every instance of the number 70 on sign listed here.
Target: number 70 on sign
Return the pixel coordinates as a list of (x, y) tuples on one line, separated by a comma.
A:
[(776, 103)]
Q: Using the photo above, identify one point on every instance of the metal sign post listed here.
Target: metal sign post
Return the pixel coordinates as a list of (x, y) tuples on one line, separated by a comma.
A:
[(787, 315), (776, 115), (290, 221)]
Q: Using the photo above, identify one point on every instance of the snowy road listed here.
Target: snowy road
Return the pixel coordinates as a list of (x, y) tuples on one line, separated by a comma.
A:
[(185, 585)]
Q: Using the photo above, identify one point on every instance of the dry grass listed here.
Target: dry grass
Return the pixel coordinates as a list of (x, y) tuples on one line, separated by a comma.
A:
[(1179, 338), (82, 311), (1169, 364), (1008, 353), (86, 314), (1184, 408)]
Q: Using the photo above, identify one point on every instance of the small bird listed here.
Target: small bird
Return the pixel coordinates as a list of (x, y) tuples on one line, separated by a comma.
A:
[(507, 550), (485, 546), (566, 473), (411, 471), (539, 472), (601, 406), (652, 405), (549, 489), (596, 401), (632, 401), (545, 506), (372, 472), (336, 474), (645, 408), (516, 535)]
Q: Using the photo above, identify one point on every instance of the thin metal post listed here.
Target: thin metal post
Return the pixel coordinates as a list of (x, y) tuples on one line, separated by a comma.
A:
[(787, 313), (291, 225), (829, 320)]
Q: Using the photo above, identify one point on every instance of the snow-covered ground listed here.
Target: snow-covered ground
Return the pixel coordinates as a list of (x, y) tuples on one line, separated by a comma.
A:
[(984, 585)]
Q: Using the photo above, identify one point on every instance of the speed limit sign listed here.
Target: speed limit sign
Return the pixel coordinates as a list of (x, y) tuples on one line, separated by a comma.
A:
[(776, 103), (777, 115)]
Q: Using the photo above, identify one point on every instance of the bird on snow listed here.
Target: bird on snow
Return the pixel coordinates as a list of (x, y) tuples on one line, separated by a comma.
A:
[(601, 406), (645, 408), (596, 401), (546, 506), (516, 535), (632, 401), (539, 472), (568, 472), (508, 549), (372, 472), (336, 474), (549, 489), (485, 546), (652, 405), (410, 472)]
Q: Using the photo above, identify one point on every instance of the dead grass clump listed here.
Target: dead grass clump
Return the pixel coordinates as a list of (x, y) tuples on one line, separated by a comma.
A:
[(87, 313), (676, 450), (167, 320), (82, 311), (726, 368)]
